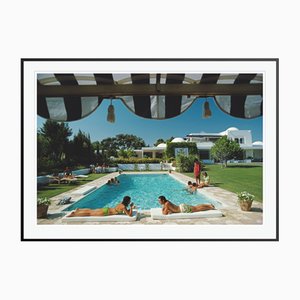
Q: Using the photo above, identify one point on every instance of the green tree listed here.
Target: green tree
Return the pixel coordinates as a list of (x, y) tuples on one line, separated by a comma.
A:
[(109, 147), (170, 139), (43, 160), (82, 148), (159, 141), (129, 141), (185, 163), (225, 149), (42, 145), (96, 147), (57, 136), (126, 153), (98, 152)]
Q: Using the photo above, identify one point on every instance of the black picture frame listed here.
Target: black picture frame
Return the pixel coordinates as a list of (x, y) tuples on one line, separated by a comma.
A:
[(24, 238)]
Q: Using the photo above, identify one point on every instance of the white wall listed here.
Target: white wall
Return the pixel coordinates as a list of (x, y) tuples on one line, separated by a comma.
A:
[(245, 134)]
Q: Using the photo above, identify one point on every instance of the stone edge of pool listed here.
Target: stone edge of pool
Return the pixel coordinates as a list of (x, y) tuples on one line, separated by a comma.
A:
[(227, 199)]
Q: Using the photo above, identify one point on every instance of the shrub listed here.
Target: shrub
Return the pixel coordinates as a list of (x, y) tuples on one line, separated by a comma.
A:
[(185, 163), (245, 196)]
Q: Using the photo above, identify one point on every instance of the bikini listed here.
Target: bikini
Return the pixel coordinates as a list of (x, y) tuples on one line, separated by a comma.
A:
[(119, 212), (105, 211)]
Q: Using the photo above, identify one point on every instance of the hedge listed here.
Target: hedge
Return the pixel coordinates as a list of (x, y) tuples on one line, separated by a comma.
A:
[(137, 160), (170, 150)]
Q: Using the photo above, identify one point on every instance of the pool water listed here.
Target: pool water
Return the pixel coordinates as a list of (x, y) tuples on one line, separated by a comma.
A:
[(144, 190)]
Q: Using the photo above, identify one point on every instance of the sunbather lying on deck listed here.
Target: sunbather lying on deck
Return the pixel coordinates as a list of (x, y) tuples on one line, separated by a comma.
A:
[(168, 207), (68, 179), (120, 209)]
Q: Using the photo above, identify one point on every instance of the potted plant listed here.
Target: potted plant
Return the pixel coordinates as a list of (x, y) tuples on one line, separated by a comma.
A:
[(245, 200), (42, 207)]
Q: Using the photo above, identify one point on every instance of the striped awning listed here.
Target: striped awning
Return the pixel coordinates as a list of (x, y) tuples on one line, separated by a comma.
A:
[(69, 97)]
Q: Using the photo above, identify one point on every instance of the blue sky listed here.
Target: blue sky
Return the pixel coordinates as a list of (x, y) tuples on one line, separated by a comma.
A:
[(151, 130)]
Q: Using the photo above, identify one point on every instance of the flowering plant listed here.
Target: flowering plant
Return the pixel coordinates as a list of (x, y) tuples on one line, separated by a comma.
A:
[(245, 196), (43, 201)]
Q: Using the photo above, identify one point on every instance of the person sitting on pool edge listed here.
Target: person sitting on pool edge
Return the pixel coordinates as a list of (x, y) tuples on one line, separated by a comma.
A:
[(206, 180), (169, 208), (120, 209)]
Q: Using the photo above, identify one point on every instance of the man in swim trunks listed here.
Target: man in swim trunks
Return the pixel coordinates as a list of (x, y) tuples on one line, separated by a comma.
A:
[(120, 209), (169, 208), (185, 208)]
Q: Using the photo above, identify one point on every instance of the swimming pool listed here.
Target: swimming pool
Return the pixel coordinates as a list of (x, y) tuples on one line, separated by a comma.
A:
[(144, 190)]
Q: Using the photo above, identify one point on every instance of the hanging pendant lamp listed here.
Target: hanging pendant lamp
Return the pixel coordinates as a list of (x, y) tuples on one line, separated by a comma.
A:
[(111, 113)]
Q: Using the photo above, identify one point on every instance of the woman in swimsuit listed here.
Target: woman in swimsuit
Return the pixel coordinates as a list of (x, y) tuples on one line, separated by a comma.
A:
[(120, 209), (206, 180), (170, 208)]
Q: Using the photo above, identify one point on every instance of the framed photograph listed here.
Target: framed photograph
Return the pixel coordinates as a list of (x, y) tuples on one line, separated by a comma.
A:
[(149, 149)]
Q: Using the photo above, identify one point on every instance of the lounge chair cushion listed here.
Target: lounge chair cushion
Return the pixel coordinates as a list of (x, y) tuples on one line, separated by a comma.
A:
[(156, 214), (112, 218)]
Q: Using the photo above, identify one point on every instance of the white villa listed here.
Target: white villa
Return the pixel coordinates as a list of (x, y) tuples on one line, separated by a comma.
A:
[(252, 151)]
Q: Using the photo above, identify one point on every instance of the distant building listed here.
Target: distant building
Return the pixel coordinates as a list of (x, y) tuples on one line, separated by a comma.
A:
[(252, 151)]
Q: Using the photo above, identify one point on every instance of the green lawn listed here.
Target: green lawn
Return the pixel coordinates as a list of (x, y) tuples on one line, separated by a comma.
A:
[(236, 178), (55, 189)]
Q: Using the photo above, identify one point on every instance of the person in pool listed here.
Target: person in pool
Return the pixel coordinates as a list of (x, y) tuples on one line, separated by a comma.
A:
[(193, 188), (189, 185), (120, 209), (116, 181), (169, 208)]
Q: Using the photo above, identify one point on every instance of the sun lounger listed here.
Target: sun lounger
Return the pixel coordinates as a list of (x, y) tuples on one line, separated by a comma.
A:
[(69, 180), (54, 179), (112, 218), (156, 214)]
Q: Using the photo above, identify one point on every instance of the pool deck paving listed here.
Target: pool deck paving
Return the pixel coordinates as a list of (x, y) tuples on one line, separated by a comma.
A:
[(232, 214)]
